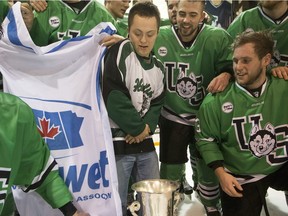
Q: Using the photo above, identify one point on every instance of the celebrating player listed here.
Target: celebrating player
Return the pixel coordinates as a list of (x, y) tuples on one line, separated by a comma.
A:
[(63, 20), (240, 135), (268, 15), (197, 59), (117, 9), (172, 11)]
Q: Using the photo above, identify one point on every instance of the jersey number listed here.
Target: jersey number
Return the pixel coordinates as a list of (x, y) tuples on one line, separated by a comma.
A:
[(68, 34)]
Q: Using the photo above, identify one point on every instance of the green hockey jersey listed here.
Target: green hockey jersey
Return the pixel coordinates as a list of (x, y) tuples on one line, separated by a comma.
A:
[(24, 157), (248, 133), (59, 21), (122, 25), (122, 28), (256, 20), (190, 70)]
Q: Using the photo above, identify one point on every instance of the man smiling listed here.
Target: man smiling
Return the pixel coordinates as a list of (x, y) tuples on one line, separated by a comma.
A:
[(241, 136)]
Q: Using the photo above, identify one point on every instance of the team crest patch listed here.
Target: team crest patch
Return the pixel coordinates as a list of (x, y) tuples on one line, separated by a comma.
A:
[(162, 51), (145, 105), (186, 87), (262, 142), (227, 107), (54, 21)]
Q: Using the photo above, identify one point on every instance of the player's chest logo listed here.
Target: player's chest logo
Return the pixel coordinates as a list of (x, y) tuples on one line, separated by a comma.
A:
[(262, 142), (268, 142), (54, 21), (186, 86)]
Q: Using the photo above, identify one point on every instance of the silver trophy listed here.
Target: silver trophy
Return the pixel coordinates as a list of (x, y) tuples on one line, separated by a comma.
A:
[(156, 197)]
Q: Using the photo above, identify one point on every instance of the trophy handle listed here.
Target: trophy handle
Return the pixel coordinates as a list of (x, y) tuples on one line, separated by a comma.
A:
[(178, 198), (135, 206)]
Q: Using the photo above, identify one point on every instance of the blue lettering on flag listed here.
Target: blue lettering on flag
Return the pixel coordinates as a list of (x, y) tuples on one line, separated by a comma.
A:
[(96, 174), (104, 196)]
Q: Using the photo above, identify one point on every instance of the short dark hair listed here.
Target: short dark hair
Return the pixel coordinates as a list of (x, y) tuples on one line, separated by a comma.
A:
[(144, 9), (262, 40), (136, 1), (203, 2)]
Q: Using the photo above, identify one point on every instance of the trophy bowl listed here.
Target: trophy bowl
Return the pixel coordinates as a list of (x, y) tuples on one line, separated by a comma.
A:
[(155, 197)]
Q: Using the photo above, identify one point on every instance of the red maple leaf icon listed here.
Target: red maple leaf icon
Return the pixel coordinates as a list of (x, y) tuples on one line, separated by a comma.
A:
[(46, 131)]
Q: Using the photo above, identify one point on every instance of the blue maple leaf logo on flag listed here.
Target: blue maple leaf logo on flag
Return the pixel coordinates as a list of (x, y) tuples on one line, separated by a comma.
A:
[(45, 130)]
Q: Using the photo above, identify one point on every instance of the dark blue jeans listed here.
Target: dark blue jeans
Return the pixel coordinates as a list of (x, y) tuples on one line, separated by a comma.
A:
[(144, 165)]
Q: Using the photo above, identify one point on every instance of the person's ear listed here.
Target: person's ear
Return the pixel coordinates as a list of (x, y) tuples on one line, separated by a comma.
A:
[(204, 16), (267, 59)]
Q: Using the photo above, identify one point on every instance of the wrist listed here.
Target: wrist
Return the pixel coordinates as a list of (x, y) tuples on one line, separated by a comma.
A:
[(68, 209), (215, 164), (219, 171)]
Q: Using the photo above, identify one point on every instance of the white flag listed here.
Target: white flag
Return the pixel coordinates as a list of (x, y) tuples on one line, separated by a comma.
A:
[(60, 83)]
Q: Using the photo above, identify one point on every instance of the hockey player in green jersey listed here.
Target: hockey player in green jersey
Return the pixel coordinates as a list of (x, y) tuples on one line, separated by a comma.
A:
[(117, 9), (133, 91), (68, 19), (242, 131), (272, 15), (197, 59), (172, 12)]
